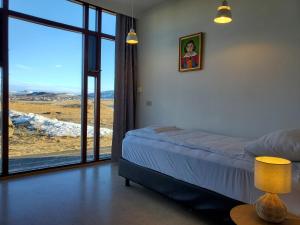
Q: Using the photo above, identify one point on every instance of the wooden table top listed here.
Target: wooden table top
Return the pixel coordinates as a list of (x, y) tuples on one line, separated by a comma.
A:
[(246, 215)]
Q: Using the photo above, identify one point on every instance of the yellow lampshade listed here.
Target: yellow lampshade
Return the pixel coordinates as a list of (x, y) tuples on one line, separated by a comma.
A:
[(223, 19), (132, 38), (273, 175), (224, 14)]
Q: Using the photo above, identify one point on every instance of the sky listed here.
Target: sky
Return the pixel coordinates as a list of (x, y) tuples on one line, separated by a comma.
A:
[(49, 59)]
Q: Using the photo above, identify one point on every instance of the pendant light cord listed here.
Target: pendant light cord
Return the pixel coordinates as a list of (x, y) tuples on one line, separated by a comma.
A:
[(132, 14)]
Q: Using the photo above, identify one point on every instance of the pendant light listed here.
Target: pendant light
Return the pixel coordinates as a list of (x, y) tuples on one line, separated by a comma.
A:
[(224, 13), (132, 38)]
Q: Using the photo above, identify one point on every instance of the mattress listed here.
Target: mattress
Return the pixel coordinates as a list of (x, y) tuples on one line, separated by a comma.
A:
[(211, 161)]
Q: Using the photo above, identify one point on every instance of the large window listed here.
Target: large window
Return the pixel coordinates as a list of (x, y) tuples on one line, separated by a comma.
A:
[(45, 87), (60, 93)]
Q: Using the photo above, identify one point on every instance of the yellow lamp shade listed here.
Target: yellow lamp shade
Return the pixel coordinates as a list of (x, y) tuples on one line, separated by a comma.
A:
[(273, 175), (132, 38), (223, 19), (224, 14)]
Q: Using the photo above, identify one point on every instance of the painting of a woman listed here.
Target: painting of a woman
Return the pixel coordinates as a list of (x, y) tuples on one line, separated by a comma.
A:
[(190, 53)]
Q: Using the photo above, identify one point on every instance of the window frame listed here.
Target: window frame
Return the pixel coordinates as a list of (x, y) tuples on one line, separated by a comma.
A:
[(5, 14)]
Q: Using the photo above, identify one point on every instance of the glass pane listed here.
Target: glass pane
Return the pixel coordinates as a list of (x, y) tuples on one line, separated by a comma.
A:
[(91, 108), (45, 96), (92, 19), (107, 96), (108, 23), (92, 53), (62, 11)]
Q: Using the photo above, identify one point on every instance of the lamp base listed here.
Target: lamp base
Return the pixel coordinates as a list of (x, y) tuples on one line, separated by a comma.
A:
[(270, 208)]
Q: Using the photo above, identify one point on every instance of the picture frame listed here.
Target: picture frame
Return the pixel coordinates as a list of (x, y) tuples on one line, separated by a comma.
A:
[(190, 52)]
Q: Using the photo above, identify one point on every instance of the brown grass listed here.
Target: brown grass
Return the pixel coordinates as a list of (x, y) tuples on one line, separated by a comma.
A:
[(29, 143)]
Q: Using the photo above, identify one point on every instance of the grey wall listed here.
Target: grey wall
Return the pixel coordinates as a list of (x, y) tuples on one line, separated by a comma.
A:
[(250, 84)]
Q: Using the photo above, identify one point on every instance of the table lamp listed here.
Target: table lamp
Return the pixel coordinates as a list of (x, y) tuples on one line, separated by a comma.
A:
[(273, 176)]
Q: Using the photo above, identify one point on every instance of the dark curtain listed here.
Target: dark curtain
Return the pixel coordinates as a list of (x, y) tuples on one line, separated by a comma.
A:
[(125, 85)]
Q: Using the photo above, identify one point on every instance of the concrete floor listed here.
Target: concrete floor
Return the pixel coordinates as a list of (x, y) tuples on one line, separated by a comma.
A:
[(87, 196)]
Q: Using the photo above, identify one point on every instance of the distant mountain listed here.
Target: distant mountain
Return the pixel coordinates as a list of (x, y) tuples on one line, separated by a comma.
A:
[(41, 93), (34, 94), (104, 95), (37, 93), (108, 94), (23, 92)]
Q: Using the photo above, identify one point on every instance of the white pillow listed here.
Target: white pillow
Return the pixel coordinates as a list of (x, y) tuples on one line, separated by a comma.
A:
[(156, 129), (282, 143)]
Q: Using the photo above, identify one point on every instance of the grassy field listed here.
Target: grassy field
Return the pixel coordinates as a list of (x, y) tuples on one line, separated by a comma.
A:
[(25, 143)]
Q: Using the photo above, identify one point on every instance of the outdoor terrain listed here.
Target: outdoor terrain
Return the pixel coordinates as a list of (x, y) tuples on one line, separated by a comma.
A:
[(45, 124)]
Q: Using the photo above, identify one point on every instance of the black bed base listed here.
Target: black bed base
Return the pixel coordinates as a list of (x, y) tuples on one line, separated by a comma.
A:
[(190, 195)]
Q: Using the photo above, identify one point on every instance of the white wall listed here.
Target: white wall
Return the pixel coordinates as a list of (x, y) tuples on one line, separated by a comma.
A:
[(124, 6), (250, 84)]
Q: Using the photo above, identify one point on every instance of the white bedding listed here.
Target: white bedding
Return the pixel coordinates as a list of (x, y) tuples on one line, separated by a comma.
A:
[(210, 161)]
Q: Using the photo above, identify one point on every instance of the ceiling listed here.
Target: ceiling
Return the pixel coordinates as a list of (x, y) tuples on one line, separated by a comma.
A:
[(124, 6)]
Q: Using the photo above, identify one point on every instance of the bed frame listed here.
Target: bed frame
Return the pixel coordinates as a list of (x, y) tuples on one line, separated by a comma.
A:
[(187, 194)]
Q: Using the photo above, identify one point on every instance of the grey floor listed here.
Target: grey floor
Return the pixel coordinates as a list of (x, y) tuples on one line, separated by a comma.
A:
[(87, 196)]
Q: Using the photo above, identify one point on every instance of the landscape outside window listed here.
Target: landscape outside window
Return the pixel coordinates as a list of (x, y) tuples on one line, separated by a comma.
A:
[(45, 95), (45, 72), (91, 116), (107, 94)]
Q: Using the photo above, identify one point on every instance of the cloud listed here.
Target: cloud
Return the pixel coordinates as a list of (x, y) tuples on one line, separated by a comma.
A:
[(58, 66), (23, 67)]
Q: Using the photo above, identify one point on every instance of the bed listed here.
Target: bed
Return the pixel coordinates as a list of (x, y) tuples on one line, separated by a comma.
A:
[(200, 169)]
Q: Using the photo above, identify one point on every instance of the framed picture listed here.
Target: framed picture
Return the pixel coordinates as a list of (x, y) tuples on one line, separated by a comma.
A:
[(190, 52)]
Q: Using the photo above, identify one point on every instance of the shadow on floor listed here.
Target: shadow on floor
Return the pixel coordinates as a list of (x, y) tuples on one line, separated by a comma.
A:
[(39, 162)]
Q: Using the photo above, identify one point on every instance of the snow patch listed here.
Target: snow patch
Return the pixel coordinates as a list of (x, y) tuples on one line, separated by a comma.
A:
[(52, 127)]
